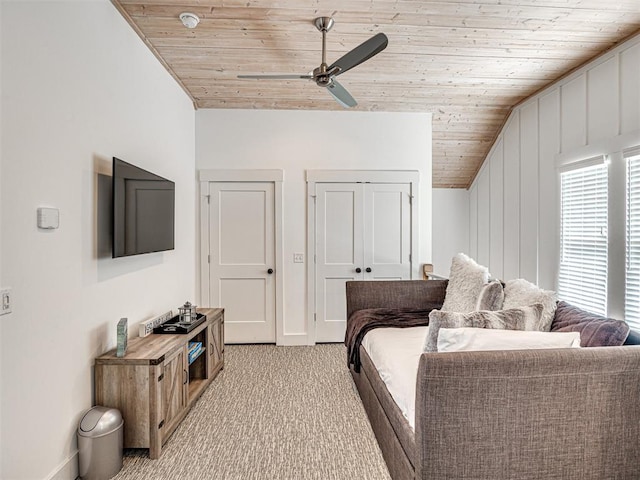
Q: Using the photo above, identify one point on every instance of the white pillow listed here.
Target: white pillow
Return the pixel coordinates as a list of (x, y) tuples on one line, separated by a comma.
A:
[(521, 293), (466, 279), (525, 318), (477, 339)]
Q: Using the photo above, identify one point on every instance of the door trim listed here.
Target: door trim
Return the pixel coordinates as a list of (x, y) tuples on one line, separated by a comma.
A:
[(314, 177), (270, 176)]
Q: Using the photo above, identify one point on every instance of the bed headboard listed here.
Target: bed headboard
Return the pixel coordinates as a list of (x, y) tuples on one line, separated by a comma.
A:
[(417, 294)]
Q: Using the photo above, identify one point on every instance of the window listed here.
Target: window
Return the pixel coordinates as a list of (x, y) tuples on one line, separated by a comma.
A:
[(582, 278), (632, 260)]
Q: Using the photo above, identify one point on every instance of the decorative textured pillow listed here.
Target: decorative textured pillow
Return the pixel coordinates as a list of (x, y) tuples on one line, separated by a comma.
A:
[(526, 318), (520, 293), (491, 296), (595, 330), (477, 339), (466, 279)]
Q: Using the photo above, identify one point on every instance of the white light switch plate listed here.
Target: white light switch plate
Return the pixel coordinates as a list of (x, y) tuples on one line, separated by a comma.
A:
[(298, 258), (5, 305)]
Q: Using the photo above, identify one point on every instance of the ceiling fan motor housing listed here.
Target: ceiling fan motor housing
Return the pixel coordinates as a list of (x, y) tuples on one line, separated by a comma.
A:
[(321, 76)]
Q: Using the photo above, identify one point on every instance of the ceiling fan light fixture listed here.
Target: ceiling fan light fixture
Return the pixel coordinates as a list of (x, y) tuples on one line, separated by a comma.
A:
[(189, 20)]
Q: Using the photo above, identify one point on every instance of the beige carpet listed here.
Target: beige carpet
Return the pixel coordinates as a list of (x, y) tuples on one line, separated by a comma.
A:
[(272, 413)]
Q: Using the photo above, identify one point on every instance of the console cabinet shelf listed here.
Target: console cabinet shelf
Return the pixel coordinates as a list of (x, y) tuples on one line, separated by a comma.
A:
[(154, 386)]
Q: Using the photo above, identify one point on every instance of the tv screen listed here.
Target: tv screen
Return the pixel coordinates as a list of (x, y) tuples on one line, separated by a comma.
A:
[(143, 211)]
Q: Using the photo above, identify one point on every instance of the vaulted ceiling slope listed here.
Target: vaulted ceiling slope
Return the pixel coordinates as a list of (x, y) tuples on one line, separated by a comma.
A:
[(467, 62)]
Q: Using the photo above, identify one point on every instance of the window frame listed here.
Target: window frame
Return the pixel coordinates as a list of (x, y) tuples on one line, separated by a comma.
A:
[(629, 155)]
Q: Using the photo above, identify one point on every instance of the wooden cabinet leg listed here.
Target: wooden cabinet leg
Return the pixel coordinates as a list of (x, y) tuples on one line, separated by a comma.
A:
[(154, 450)]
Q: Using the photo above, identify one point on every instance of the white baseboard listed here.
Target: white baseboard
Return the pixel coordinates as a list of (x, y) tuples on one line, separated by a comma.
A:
[(68, 470), (294, 340)]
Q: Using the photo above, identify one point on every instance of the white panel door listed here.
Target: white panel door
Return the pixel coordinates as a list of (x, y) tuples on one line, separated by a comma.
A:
[(387, 231), (242, 256), (339, 250), (363, 232)]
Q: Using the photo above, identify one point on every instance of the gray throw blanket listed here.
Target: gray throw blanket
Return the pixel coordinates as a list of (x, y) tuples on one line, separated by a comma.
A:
[(361, 321)]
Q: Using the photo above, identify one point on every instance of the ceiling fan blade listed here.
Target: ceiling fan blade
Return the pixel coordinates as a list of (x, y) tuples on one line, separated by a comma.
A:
[(342, 96), (276, 77), (362, 52)]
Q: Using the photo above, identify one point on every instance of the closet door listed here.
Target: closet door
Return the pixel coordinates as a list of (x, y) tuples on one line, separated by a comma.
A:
[(363, 232), (339, 256), (387, 231)]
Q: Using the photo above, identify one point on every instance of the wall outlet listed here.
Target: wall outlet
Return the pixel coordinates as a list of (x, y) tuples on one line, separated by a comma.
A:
[(298, 258), (5, 305)]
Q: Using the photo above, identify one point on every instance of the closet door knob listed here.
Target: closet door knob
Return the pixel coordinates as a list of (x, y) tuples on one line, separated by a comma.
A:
[(368, 270), (270, 271), (358, 270)]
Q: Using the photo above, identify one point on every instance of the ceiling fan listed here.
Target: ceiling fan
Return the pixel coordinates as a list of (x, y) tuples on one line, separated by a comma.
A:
[(325, 76)]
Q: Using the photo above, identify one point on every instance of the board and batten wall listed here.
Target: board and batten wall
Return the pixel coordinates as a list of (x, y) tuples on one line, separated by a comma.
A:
[(450, 227), (297, 141), (78, 87), (514, 200)]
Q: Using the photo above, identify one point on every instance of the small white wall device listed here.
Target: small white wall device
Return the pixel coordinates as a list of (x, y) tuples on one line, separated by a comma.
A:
[(5, 305), (48, 218)]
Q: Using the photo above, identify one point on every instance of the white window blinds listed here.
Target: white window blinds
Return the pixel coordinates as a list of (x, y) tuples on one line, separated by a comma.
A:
[(582, 279), (632, 274)]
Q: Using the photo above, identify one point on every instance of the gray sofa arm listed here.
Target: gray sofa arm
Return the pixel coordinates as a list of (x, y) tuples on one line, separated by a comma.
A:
[(534, 414), (414, 294)]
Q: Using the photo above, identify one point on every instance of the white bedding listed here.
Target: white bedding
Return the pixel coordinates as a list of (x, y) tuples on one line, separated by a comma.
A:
[(395, 352)]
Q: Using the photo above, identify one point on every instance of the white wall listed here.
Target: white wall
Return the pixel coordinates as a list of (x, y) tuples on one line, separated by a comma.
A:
[(296, 141), (78, 87), (1, 278), (593, 111), (450, 227)]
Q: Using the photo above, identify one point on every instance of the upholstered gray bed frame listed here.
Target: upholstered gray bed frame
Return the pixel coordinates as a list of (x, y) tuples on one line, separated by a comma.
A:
[(570, 414)]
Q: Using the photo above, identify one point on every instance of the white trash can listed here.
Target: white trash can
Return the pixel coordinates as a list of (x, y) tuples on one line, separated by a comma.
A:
[(100, 441)]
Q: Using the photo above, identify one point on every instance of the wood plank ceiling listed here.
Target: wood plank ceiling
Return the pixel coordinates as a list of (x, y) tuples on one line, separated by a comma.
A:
[(468, 62)]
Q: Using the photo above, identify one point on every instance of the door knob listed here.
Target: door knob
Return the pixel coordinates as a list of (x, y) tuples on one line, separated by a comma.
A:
[(368, 270), (358, 270), (270, 271)]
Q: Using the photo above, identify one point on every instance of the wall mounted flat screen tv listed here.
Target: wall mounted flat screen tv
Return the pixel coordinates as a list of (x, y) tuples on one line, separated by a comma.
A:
[(143, 211)]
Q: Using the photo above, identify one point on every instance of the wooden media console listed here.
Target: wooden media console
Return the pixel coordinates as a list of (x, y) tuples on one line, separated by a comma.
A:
[(154, 385)]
